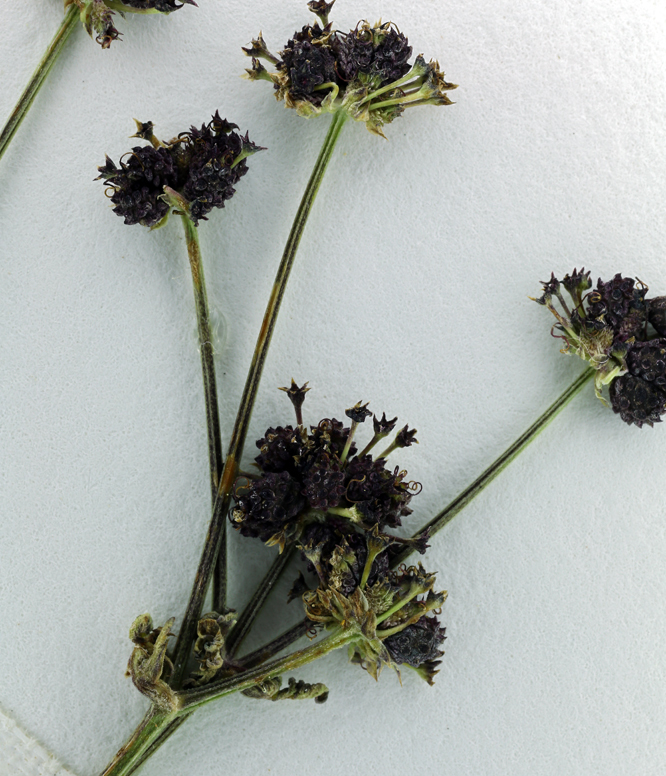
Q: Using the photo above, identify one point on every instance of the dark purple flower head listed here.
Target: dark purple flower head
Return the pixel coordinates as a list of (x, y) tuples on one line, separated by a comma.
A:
[(418, 643), (637, 401), (609, 327), (137, 184), (195, 173), (364, 72)]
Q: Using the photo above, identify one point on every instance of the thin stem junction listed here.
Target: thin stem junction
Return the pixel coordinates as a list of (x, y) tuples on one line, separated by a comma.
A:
[(216, 530)]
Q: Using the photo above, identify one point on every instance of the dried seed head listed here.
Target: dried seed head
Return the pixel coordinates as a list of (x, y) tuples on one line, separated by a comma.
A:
[(365, 72), (195, 173)]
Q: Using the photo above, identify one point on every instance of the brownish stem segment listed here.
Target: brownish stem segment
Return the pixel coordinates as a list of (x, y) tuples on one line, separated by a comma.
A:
[(249, 614), (216, 530), (34, 84), (276, 646)]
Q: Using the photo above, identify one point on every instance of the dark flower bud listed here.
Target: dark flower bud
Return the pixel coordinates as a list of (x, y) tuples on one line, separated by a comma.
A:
[(330, 435), (657, 314), (604, 327), (391, 55), (281, 449), (267, 506), (647, 361), (322, 9), (418, 643), (308, 65), (364, 72), (383, 427), (323, 485), (577, 283), (137, 185), (637, 401), (358, 413), (379, 495), (144, 131), (258, 50), (406, 437), (621, 306), (297, 397)]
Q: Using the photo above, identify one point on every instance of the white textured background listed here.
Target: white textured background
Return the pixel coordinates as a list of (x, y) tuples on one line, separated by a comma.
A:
[(410, 291)]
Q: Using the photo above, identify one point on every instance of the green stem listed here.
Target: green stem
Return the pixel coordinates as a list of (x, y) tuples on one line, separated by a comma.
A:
[(247, 618), (216, 529), (463, 499), (48, 60), (133, 753), (252, 660), (168, 729), (158, 725), (192, 699), (207, 351)]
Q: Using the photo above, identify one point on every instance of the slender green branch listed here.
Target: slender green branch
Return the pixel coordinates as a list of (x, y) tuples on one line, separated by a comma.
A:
[(216, 530), (271, 649), (191, 699), (207, 351), (254, 659), (132, 754), (69, 21), (463, 499), (158, 726), (247, 618), (166, 731)]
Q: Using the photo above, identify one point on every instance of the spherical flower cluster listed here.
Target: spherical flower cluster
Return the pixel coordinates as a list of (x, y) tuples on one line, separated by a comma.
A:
[(316, 491), (365, 71), (308, 478), (621, 334), (195, 173), (97, 15)]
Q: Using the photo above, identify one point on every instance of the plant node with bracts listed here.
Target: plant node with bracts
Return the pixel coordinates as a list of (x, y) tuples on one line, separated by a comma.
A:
[(620, 333), (364, 72), (97, 15)]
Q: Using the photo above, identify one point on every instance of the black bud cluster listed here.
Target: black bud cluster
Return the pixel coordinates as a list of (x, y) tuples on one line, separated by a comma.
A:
[(609, 327), (316, 56), (163, 6), (380, 494), (384, 57), (201, 168), (365, 72), (367, 489), (137, 185), (417, 644), (268, 505)]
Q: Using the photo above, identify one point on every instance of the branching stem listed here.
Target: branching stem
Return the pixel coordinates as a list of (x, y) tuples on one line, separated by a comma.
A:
[(216, 530)]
